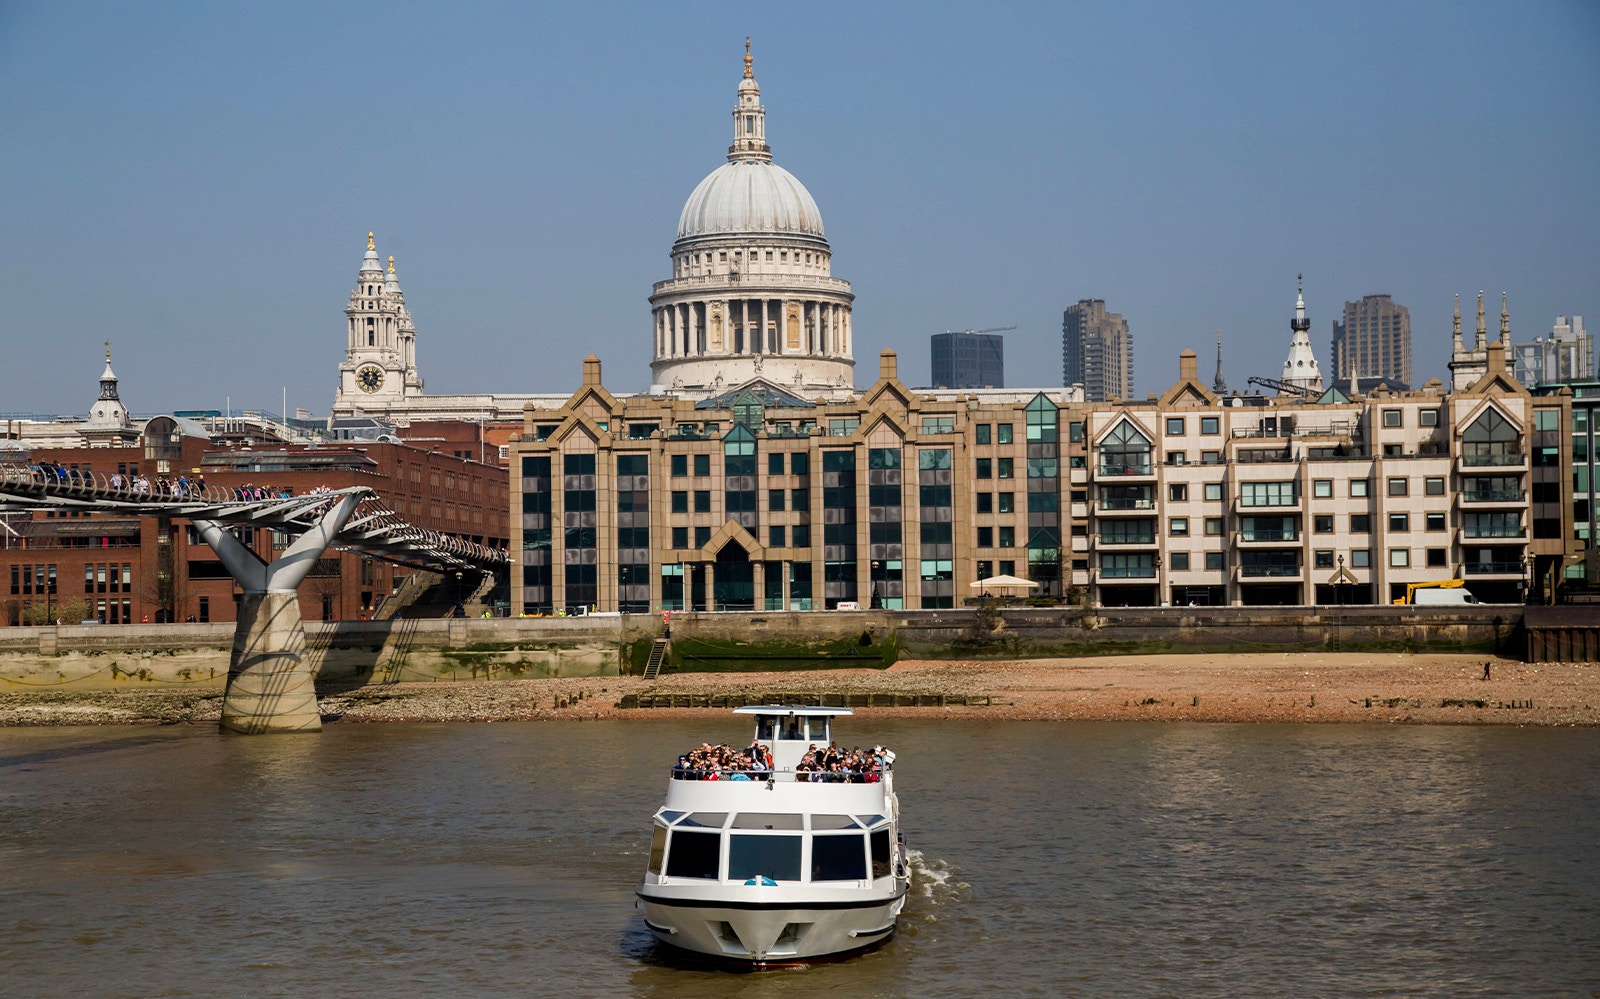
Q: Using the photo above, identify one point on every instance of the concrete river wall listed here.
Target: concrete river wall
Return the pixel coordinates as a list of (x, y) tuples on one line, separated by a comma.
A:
[(354, 653)]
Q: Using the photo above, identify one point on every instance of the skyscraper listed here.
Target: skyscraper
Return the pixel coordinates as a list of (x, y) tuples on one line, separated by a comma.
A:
[(968, 360), (1096, 351), (1373, 341), (1567, 355)]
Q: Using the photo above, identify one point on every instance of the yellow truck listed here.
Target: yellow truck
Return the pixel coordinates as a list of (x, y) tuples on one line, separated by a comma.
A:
[(1443, 592)]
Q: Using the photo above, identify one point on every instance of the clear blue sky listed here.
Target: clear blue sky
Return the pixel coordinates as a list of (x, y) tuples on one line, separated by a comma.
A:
[(195, 181)]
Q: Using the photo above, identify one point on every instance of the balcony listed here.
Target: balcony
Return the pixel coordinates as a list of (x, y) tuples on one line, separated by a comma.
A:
[(1494, 496), (1129, 572), (1494, 532), (1269, 535), (1122, 507), (1270, 571), (1493, 568), (1125, 466), (1505, 459), (1127, 539)]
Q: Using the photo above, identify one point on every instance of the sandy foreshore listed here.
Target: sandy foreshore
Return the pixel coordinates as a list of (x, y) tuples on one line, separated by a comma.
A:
[(1347, 687)]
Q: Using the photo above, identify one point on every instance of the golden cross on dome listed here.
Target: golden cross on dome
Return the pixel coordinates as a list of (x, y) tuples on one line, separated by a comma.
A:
[(370, 244), (108, 351), (748, 75), (391, 263)]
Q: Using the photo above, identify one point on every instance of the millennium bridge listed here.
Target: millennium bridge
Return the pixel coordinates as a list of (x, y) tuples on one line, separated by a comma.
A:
[(270, 683)]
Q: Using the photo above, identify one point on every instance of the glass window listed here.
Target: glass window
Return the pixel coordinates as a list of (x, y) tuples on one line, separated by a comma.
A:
[(1210, 425), (1125, 451), (985, 468), (1214, 491), (776, 857), (680, 464), (1177, 492), (1436, 558), (1002, 433), (702, 537), (799, 499), (775, 463), (680, 501), (1360, 523), (1433, 486), (658, 849), (1075, 432), (1435, 521), (980, 433), (680, 537), (1180, 560), (1210, 457), (1174, 426), (1546, 419), (1322, 488), (1358, 487), (702, 501), (1213, 526), (1391, 418), (775, 535), (1361, 558), (937, 424), (702, 464), (985, 537), (1324, 559), (775, 498), (879, 840), (986, 502), (1322, 523), (694, 854), (1399, 522), (1267, 493), (1005, 467), (1008, 537), (1216, 560), (799, 464), (1399, 558), (1428, 418), (838, 858), (1178, 527), (1399, 487), (1008, 502)]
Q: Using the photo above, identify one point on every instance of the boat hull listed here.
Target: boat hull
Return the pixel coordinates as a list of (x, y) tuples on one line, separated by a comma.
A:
[(771, 932)]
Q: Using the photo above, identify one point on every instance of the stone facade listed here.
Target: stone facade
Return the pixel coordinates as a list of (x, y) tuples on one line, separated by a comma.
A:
[(756, 501)]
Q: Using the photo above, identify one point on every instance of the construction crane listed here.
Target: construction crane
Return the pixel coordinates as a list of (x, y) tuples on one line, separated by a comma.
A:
[(1281, 387), (992, 329)]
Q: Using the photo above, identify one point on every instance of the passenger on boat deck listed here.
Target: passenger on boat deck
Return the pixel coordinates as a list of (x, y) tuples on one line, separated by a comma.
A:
[(724, 763), (833, 765)]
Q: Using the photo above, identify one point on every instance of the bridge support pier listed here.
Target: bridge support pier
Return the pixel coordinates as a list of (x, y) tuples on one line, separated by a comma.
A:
[(271, 686)]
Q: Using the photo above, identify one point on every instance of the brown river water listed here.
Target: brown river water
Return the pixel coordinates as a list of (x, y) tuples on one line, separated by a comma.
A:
[(1051, 859)]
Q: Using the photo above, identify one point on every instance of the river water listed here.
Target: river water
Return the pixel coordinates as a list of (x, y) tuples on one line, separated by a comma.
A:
[(1053, 859)]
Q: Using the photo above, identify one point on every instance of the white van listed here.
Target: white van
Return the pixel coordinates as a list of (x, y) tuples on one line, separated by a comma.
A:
[(1441, 596)]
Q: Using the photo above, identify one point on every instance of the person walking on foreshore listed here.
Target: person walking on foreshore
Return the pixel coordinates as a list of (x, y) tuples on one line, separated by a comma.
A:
[(1486, 670)]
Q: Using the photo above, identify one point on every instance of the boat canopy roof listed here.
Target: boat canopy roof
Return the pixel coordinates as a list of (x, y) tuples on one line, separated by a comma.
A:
[(787, 709)]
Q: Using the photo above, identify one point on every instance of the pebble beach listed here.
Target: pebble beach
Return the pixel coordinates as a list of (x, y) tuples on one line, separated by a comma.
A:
[(1288, 687)]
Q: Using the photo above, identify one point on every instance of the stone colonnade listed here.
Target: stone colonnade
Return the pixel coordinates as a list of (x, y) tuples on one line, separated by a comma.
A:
[(752, 326)]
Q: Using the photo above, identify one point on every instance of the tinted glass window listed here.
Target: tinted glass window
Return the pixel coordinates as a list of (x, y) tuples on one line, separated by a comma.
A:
[(838, 858), (880, 853), (776, 857), (693, 854)]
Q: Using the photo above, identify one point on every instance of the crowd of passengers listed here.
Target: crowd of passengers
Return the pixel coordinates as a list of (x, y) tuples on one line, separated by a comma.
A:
[(828, 764), (181, 487)]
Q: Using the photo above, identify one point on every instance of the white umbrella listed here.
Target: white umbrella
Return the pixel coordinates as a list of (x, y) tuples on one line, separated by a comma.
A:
[(1002, 583)]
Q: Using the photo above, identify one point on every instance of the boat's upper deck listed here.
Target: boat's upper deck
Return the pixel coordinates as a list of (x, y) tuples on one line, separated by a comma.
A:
[(791, 745)]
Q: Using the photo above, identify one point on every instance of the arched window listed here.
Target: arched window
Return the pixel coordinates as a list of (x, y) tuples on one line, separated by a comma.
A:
[(1491, 439), (1125, 451)]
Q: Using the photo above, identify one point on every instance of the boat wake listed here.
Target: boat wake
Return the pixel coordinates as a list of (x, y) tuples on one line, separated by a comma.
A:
[(935, 880)]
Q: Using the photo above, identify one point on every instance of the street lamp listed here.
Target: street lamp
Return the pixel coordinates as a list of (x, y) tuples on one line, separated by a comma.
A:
[(1156, 561), (876, 600)]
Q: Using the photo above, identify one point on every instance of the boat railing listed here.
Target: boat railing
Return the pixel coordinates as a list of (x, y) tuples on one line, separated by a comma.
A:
[(797, 776)]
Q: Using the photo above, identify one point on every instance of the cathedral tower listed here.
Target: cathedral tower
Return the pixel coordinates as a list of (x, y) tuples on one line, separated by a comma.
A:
[(380, 362)]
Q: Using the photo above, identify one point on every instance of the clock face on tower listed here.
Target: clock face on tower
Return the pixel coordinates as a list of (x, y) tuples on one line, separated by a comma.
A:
[(370, 378)]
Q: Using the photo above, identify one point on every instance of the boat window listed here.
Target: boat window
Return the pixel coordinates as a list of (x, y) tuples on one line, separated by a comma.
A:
[(766, 820), (880, 853), (819, 729), (658, 848), (870, 820), (694, 854), (794, 729), (754, 856), (766, 725), (669, 817), (705, 820), (832, 822), (838, 858)]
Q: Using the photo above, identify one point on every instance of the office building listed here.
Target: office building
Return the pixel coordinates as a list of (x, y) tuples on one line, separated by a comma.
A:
[(1373, 341), (1096, 351), (968, 360)]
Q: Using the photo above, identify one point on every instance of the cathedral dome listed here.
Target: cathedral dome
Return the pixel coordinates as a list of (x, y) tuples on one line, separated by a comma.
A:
[(750, 196)]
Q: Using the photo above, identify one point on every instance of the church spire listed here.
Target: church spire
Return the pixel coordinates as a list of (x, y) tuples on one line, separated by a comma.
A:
[(1505, 321), (108, 378), (369, 263), (1218, 384), (1455, 328), (1483, 331), (1300, 367), (749, 119)]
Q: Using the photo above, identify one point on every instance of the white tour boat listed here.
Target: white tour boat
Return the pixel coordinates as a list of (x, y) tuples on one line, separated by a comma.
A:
[(771, 865)]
